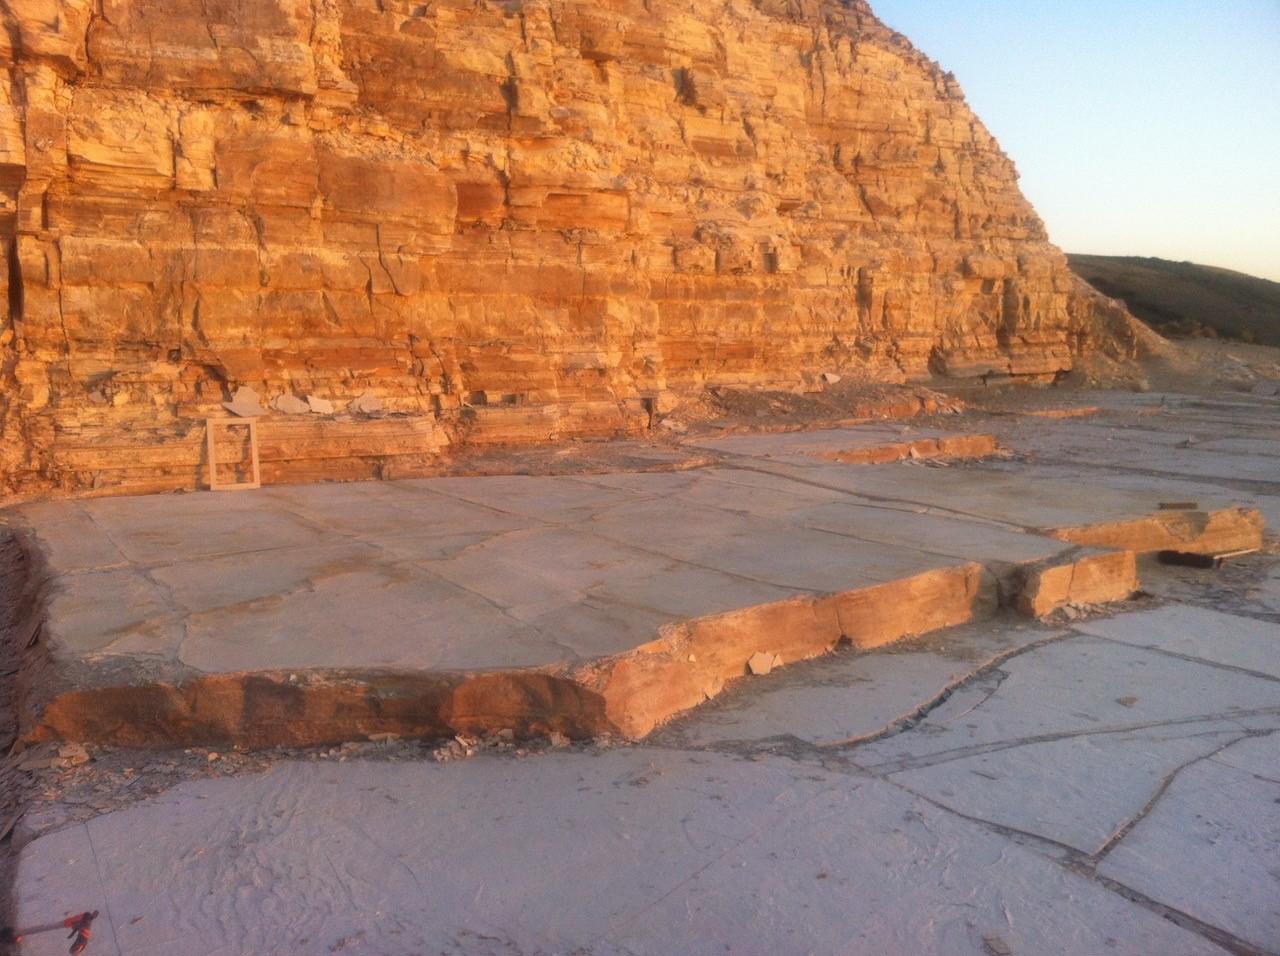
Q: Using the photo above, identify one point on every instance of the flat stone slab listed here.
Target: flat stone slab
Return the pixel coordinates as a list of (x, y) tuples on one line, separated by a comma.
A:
[(848, 697), (579, 604), (1000, 787), (1106, 785), (1040, 700), (631, 852), (1198, 633), (1225, 873), (863, 444)]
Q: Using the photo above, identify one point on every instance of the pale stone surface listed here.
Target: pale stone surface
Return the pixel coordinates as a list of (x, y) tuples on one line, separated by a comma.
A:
[(246, 403), (1001, 787), (510, 574), (1176, 441), (290, 404), (1000, 495), (1134, 447), (509, 550), (848, 696), (1006, 786), (814, 444), (1210, 846), (1041, 694), (1200, 633), (366, 404), (633, 852), (1112, 777)]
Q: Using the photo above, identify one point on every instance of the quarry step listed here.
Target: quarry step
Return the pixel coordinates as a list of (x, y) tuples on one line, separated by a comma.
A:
[(1066, 784), (1226, 531), (951, 447), (585, 604), (627, 694)]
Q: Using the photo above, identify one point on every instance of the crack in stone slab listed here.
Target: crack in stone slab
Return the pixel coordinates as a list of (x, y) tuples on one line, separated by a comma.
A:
[(1187, 658), (1127, 827), (577, 526), (1084, 865), (959, 753), (1062, 854), (882, 501), (1252, 485), (1219, 937), (914, 717)]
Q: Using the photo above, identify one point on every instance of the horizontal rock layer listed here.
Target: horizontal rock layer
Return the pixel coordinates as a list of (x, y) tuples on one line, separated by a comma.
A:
[(523, 220)]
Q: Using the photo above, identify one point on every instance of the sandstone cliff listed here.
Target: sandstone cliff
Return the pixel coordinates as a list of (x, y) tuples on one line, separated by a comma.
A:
[(505, 221)]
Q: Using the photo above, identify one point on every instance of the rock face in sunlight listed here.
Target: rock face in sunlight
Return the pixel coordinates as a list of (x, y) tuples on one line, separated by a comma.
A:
[(464, 220)]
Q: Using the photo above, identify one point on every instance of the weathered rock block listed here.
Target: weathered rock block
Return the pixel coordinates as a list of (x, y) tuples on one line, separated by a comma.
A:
[(573, 205), (1090, 576)]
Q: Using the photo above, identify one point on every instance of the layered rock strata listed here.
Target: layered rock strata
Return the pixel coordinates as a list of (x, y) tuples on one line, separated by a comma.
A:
[(501, 221)]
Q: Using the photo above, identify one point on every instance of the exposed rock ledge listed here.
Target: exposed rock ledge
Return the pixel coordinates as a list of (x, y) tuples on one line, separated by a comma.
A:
[(516, 220)]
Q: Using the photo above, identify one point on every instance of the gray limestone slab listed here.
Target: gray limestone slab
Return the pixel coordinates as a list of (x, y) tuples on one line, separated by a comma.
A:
[(204, 584), (769, 551), (935, 533), (989, 491), (1259, 756), (1147, 487), (1267, 594), (846, 695), (70, 540), (97, 614), (1076, 686), (818, 442), (383, 616), (1163, 453), (1210, 848), (367, 574), (686, 592), (597, 627), (630, 852), (389, 510), (557, 500), (646, 485), (1079, 791), (162, 528), (1198, 632), (752, 493), (534, 571)]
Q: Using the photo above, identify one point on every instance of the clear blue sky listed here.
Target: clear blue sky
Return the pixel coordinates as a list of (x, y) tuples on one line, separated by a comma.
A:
[(1140, 127)]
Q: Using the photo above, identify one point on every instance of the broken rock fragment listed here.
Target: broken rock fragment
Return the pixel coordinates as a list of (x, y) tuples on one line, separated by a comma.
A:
[(762, 663), (366, 404), (245, 403), (290, 404)]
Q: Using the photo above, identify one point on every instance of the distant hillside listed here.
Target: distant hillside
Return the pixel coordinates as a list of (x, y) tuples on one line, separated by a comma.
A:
[(1184, 299)]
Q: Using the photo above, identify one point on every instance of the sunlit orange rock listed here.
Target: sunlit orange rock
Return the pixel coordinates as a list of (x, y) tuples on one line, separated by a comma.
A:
[(524, 219)]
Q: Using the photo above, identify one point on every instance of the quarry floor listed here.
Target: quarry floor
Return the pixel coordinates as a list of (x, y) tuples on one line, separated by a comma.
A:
[(1104, 779)]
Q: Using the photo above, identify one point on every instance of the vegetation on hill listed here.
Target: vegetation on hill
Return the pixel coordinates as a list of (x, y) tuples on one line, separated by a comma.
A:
[(1185, 299)]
